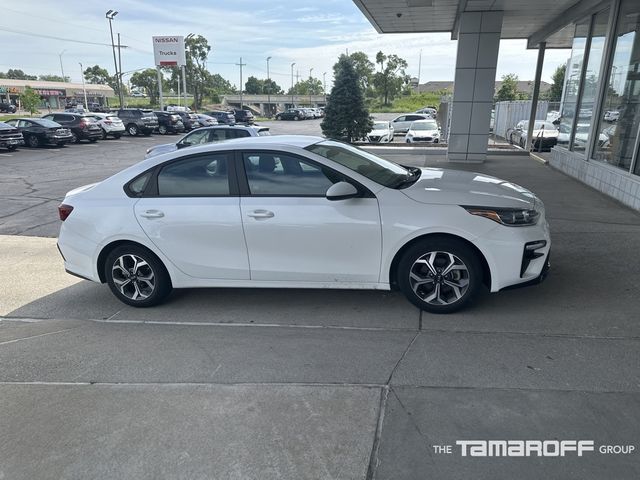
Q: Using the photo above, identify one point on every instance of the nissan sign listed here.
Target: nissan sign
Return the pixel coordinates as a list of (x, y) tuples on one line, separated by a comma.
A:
[(169, 51)]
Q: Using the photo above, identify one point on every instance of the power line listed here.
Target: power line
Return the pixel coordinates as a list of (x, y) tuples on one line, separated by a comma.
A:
[(31, 34)]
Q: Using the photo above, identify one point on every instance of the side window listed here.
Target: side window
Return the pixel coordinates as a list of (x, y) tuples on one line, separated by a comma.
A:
[(219, 135), (401, 119), (196, 138), (274, 173), (23, 123), (240, 133), (203, 175)]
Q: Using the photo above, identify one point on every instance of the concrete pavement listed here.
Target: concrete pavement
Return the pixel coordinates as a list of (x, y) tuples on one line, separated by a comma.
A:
[(299, 384)]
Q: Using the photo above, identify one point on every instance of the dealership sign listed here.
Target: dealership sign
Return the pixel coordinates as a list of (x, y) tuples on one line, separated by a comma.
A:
[(169, 51)]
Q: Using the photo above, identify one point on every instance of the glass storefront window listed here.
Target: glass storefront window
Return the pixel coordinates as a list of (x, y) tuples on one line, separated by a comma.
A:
[(591, 78), (572, 82), (621, 106)]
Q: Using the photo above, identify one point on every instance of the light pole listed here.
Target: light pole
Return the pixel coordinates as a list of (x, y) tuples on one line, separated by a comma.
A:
[(324, 86), (292, 65), (84, 90), (184, 71), (61, 67), (310, 82), (110, 15), (268, 89)]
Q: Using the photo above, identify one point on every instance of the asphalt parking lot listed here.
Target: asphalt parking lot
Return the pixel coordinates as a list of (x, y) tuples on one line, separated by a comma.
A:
[(295, 384)]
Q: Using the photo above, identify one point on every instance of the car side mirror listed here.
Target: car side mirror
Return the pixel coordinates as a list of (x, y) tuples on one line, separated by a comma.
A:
[(341, 191), (183, 144)]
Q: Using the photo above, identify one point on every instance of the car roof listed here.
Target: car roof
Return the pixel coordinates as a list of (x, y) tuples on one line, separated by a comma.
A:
[(276, 141)]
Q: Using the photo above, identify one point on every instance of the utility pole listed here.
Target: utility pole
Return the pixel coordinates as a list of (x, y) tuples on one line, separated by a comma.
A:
[(179, 86), (109, 15), (268, 89), (419, 66), (292, 65), (324, 86), (61, 67), (310, 82), (297, 76), (119, 76), (160, 88), (241, 65), (84, 90), (184, 72)]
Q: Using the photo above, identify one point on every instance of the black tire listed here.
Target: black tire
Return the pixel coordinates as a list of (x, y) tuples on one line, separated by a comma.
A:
[(75, 138), (117, 135), (93, 140), (162, 130), (33, 141), (104, 134), (11, 148), (448, 299), (132, 129), (125, 256), (296, 118), (61, 144)]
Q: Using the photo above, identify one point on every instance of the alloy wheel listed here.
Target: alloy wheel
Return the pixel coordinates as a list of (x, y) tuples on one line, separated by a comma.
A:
[(439, 278), (133, 277)]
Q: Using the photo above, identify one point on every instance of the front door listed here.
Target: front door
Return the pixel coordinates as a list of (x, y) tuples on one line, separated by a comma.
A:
[(294, 233), (193, 217)]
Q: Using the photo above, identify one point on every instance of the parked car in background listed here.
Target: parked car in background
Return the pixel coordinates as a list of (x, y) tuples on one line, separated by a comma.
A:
[(189, 120), (425, 131), (291, 114), (428, 111), (96, 107), (177, 108), (40, 131), (138, 94), (83, 126), (206, 120), (7, 107), (223, 117), (381, 132), (553, 116), (137, 121), (10, 137), (545, 134), (110, 124), (214, 134), (169, 122), (610, 133), (402, 123), (244, 116), (612, 115), (298, 211)]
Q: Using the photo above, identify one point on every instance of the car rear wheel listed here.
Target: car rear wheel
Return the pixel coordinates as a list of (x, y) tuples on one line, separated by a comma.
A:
[(75, 138), (296, 118), (104, 134), (440, 275), (136, 276), (132, 129), (162, 130), (93, 140), (11, 148), (33, 141), (117, 135)]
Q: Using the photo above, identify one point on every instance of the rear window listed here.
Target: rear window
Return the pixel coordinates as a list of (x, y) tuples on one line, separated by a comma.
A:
[(45, 122)]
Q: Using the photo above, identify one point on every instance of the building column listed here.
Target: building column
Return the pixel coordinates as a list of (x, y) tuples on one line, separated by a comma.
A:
[(474, 88)]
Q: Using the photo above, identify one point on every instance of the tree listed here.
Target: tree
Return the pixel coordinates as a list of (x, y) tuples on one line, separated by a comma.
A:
[(508, 91), (253, 86), (17, 74), (53, 78), (30, 100), (197, 50), (364, 69), (148, 81), (391, 77), (346, 116), (555, 92), (311, 86), (100, 76)]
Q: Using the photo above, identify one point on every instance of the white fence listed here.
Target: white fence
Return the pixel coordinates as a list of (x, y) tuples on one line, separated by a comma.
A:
[(507, 114)]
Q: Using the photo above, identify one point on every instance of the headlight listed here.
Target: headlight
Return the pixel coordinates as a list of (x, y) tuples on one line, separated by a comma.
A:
[(511, 217)]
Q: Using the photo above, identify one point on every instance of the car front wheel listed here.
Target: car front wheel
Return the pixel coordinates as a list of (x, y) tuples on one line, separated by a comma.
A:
[(136, 276), (440, 275), (132, 129)]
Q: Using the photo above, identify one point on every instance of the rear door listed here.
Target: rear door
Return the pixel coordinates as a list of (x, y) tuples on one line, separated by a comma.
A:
[(191, 212)]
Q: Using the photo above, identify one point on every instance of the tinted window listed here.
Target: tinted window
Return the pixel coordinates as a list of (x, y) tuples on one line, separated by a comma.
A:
[(274, 173), (204, 175), (400, 119), (138, 185), (47, 123), (196, 138)]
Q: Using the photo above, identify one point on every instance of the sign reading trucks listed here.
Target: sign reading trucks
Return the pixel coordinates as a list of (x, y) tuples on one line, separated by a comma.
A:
[(169, 51)]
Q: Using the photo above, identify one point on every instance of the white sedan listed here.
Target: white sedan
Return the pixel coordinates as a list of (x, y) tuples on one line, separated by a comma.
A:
[(110, 125), (426, 131), (381, 132), (297, 211)]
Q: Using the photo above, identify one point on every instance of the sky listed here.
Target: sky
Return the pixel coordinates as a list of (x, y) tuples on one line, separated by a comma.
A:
[(311, 33)]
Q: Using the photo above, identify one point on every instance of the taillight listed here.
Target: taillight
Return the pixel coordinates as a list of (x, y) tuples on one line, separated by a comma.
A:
[(64, 211)]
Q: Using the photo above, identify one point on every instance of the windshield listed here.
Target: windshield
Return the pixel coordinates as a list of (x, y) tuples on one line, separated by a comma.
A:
[(381, 126), (424, 126), (374, 168)]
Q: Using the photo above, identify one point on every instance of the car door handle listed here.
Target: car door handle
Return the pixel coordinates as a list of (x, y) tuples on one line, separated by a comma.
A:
[(152, 214), (261, 214)]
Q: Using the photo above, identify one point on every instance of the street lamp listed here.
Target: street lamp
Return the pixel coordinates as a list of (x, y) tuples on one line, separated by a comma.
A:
[(184, 71), (109, 16), (292, 65), (310, 78), (61, 67), (84, 90), (324, 86), (268, 88)]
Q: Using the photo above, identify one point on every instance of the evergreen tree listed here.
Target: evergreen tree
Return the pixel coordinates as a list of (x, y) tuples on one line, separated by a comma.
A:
[(555, 92), (346, 117)]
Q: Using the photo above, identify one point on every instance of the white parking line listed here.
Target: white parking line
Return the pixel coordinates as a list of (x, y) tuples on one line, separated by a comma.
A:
[(5, 155)]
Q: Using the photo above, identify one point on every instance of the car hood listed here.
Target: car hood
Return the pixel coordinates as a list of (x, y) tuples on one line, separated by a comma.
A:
[(160, 149), (423, 133), (454, 187), (380, 133)]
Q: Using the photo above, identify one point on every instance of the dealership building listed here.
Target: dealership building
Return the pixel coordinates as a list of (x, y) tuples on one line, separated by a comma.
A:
[(55, 94), (599, 137)]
